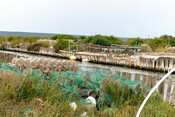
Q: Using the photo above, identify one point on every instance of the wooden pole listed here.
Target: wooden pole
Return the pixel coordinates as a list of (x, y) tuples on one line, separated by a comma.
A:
[(153, 82), (173, 96), (144, 79), (117, 72), (162, 88), (137, 77), (128, 75), (170, 80)]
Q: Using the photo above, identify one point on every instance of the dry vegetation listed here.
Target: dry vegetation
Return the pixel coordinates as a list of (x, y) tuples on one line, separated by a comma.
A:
[(18, 93)]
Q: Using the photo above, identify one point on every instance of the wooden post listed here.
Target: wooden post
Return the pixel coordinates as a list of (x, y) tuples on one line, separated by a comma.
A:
[(170, 80), (149, 79), (144, 79), (123, 73), (117, 72), (162, 88), (128, 75), (153, 81), (166, 64), (137, 77), (173, 96)]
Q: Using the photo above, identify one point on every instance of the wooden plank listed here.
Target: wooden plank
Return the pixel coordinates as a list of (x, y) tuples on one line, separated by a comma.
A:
[(117, 72), (153, 82), (144, 79), (123, 73), (149, 79), (137, 77), (128, 75), (162, 88), (170, 80), (173, 96)]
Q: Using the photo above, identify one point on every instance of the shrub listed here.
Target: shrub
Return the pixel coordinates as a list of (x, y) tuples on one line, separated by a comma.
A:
[(102, 40), (157, 43), (10, 38), (63, 36), (135, 41), (36, 46), (82, 37), (61, 45)]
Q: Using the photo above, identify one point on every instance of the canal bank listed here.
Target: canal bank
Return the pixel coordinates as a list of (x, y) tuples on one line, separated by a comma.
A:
[(145, 62)]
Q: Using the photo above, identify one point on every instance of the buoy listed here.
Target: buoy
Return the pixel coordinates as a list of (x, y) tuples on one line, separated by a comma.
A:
[(90, 102), (72, 58)]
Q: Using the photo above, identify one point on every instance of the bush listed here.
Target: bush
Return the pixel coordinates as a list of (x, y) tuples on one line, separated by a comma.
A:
[(61, 45), (10, 38), (169, 39), (19, 93), (157, 43), (36, 46), (82, 37), (135, 41), (102, 40), (63, 37)]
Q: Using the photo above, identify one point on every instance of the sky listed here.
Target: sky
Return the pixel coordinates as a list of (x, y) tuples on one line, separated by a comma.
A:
[(121, 18)]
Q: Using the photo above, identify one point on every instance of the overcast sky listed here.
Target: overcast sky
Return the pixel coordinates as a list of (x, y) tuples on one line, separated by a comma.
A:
[(123, 18)]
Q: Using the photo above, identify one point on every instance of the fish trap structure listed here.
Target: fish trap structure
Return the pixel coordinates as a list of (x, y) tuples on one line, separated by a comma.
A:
[(45, 65), (82, 84)]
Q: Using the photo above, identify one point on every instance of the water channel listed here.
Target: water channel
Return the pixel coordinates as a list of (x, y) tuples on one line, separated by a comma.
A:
[(93, 66)]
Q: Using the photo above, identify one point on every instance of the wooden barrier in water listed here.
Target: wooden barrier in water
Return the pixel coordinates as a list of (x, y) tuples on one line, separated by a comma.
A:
[(170, 80), (151, 81), (164, 63)]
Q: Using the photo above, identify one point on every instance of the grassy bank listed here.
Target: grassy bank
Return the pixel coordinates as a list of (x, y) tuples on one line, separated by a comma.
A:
[(19, 93)]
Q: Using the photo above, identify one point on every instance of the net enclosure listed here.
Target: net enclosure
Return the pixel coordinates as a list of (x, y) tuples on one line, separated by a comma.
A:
[(79, 85)]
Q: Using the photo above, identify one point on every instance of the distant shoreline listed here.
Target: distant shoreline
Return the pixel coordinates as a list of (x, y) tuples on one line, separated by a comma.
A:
[(34, 34)]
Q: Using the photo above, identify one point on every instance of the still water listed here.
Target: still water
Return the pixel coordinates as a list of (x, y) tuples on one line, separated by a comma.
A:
[(93, 66)]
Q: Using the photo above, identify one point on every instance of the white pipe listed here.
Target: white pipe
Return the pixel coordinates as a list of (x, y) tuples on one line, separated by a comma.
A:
[(152, 90)]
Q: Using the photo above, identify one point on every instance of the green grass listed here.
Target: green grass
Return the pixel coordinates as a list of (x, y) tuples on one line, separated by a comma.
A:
[(18, 93), (4, 61)]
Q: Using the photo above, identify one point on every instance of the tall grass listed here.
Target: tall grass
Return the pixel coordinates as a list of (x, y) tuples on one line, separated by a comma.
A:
[(16, 41), (18, 93), (37, 46)]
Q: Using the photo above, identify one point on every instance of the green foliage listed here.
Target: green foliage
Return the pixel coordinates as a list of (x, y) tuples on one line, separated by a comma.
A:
[(1, 47), (61, 45), (102, 40), (36, 46), (10, 38), (135, 41), (16, 41), (19, 93), (121, 94), (63, 36), (82, 37), (155, 43), (169, 39)]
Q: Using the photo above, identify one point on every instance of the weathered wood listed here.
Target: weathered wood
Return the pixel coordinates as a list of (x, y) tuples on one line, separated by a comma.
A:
[(173, 96), (137, 77), (149, 79), (153, 82), (128, 75), (162, 88), (117, 72), (144, 79), (170, 80), (123, 73)]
